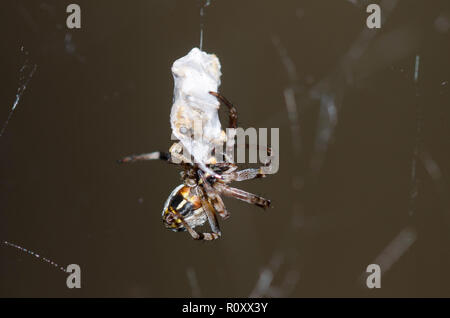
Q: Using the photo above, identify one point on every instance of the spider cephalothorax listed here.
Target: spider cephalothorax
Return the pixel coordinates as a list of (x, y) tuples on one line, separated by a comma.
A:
[(198, 199)]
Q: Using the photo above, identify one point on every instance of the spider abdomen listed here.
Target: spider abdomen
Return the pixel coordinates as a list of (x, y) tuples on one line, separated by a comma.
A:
[(183, 202)]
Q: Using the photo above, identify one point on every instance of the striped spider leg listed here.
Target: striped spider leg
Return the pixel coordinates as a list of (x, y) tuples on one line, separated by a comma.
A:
[(214, 196), (232, 124), (242, 195), (156, 155)]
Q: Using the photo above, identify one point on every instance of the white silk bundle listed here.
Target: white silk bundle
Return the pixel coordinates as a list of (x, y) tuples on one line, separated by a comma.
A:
[(194, 117)]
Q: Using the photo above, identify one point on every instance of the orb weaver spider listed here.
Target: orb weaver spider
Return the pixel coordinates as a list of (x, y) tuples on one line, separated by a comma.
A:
[(198, 199)]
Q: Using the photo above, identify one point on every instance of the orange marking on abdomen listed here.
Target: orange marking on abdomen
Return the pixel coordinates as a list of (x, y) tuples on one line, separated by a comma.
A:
[(193, 199)]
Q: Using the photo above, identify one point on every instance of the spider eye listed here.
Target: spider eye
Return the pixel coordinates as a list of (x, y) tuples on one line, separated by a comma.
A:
[(183, 130)]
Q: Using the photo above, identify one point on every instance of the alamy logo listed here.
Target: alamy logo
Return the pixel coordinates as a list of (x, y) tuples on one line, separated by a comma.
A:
[(374, 279), (250, 143), (374, 19), (74, 19), (74, 279)]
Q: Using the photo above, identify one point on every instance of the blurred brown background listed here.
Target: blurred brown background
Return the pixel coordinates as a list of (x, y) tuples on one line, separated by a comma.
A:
[(105, 91)]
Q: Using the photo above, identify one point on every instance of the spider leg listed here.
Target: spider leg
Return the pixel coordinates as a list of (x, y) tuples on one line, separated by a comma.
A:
[(225, 168), (220, 207), (231, 133), (196, 235), (215, 198), (232, 110), (209, 197), (212, 218), (231, 175), (157, 155), (200, 236), (247, 174), (243, 195)]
